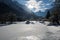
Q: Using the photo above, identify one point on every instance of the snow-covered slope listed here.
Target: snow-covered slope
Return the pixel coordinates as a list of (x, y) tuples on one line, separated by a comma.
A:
[(22, 31)]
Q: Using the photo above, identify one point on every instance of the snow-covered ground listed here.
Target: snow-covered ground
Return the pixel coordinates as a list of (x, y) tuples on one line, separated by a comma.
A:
[(23, 31)]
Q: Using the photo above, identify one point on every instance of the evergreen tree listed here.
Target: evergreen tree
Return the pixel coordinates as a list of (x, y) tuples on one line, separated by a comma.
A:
[(55, 17), (48, 15)]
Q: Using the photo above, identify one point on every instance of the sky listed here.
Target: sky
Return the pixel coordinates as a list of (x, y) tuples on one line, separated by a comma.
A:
[(40, 5), (37, 5)]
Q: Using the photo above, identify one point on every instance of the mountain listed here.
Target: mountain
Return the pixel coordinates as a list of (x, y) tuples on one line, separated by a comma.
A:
[(21, 11)]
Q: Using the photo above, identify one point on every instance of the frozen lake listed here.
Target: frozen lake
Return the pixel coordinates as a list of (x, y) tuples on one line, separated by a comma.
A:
[(36, 31)]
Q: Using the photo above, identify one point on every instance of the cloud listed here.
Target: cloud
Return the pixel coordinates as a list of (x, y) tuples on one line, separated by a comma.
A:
[(40, 5)]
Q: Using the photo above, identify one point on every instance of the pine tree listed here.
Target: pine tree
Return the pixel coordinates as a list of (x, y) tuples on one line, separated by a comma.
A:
[(48, 15)]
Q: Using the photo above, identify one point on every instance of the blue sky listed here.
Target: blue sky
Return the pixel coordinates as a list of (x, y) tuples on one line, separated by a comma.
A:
[(45, 4), (22, 1), (45, 1)]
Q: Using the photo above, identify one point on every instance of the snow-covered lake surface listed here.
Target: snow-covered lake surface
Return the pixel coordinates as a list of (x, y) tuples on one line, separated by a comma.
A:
[(36, 31)]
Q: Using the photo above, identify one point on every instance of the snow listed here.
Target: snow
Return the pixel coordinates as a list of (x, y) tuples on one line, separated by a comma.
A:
[(23, 31)]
